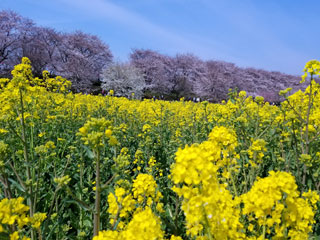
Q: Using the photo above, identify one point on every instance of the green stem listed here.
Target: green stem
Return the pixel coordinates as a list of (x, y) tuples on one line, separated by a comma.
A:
[(80, 197), (306, 135), (264, 229), (25, 154), (96, 215), (233, 182), (208, 229)]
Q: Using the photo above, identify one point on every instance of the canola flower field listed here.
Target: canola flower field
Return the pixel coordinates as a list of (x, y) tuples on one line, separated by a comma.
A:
[(76, 166)]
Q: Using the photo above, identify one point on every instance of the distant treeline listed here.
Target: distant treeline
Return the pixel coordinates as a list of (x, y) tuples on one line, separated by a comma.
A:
[(88, 62)]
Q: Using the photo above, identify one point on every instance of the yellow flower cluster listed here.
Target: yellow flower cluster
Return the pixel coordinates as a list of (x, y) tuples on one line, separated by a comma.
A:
[(193, 164), (208, 206), (14, 212), (144, 187), (143, 226), (3, 82), (95, 131), (201, 161), (151, 164), (256, 152), (57, 84), (121, 205), (23, 79), (312, 67), (138, 160), (224, 137), (37, 219), (122, 160), (3, 149), (62, 181), (274, 204), (22, 74), (43, 149)]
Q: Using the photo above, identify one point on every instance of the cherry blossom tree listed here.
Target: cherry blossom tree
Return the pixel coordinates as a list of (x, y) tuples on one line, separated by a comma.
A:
[(13, 28), (187, 70), (80, 58), (124, 79), (163, 74), (155, 67)]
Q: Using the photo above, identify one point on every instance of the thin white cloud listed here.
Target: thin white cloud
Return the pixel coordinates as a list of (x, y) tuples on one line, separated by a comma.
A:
[(104, 9), (107, 10)]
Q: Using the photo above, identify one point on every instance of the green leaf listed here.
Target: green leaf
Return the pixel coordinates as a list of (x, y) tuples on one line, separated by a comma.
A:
[(4, 236), (16, 184), (89, 153)]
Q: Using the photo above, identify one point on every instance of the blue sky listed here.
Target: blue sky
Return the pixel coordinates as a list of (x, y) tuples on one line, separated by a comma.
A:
[(278, 35)]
